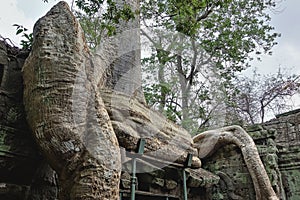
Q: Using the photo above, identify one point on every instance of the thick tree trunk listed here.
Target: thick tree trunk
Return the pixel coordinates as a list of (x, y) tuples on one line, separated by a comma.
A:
[(132, 120), (20, 174), (162, 89), (123, 73), (69, 120), (210, 141), (184, 89), (65, 111)]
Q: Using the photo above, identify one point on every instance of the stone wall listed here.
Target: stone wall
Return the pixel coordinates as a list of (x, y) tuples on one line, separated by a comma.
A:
[(287, 141), (154, 182), (224, 175), (23, 175), (228, 164), (278, 143), (18, 156)]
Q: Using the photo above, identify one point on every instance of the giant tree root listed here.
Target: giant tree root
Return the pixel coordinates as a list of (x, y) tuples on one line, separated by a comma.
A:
[(210, 141), (133, 120), (65, 111)]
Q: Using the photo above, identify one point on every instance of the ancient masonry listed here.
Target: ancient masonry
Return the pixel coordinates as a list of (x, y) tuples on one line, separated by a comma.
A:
[(25, 175), (278, 142), (287, 140), (224, 175)]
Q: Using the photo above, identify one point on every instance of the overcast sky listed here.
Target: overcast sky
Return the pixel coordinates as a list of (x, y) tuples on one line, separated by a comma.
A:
[(286, 54)]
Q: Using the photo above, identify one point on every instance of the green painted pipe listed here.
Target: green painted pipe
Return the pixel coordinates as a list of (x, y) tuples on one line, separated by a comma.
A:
[(133, 179), (184, 185), (121, 195)]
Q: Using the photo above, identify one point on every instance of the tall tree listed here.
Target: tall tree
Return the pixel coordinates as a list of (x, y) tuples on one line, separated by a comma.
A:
[(198, 48), (65, 109), (101, 18)]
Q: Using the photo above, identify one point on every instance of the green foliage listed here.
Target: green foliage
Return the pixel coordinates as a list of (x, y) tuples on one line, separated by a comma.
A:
[(215, 42), (197, 49), (99, 18), (183, 16), (26, 43)]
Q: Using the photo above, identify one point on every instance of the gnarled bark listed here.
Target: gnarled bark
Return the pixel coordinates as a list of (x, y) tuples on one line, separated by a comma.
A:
[(65, 111), (69, 119), (209, 141), (132, 120), (74, 119)]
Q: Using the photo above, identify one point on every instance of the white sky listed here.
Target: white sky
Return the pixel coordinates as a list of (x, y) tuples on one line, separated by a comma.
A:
[(23, 12), (286, 54)]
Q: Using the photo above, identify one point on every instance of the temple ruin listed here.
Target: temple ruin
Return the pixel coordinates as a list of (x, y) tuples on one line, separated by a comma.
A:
[(126, 149)]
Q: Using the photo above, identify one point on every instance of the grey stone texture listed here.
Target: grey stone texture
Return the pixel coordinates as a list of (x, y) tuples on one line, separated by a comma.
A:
[(287, 141), (278, 143), (224, 175)]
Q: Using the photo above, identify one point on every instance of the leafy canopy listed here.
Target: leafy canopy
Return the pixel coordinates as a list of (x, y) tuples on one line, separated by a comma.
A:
[(217, 40), (185, 73)]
